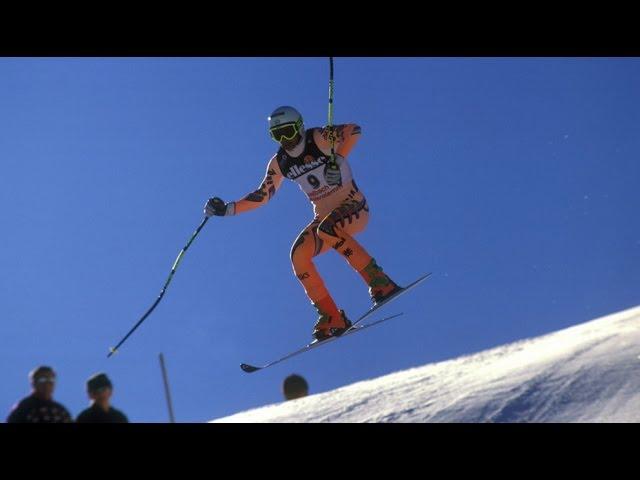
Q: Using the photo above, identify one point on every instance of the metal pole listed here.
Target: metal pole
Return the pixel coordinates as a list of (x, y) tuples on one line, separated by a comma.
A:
[(166, 389)]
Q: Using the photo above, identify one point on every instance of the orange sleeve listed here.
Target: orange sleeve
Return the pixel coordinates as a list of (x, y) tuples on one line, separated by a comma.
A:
[(346, 137), (270, 184)]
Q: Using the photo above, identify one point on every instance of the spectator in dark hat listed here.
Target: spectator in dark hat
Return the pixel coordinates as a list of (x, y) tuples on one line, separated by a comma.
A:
[(100, 389), (295, 386), (39, 407)]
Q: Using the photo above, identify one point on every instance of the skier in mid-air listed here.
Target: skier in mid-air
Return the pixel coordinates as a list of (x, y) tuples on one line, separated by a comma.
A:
[(340, 209)]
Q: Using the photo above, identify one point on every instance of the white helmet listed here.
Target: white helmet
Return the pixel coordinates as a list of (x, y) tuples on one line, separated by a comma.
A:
[(285, 123)]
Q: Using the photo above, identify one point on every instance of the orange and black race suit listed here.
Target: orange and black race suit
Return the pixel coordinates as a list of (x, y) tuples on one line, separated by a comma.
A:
[(340, 211)]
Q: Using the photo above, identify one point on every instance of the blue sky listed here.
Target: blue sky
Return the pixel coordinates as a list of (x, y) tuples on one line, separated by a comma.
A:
[(514, 180)]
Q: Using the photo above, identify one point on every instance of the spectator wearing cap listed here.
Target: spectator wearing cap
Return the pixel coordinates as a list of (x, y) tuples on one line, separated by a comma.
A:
[(100, 389), (39, 407), (295, 386)]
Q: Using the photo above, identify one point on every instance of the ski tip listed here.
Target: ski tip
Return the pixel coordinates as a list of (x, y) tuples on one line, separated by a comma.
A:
[(419, 280), (111, 352), (248, 368)]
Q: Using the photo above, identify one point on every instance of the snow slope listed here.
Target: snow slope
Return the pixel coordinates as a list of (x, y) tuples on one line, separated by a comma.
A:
[(586, 373)]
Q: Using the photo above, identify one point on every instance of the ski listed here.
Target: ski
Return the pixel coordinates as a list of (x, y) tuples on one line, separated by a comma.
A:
[(310, 346), (399, 293), (355, 327)]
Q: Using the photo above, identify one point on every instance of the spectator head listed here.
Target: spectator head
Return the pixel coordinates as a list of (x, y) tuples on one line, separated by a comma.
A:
[(99, 387), (43, 381), (295, 386)]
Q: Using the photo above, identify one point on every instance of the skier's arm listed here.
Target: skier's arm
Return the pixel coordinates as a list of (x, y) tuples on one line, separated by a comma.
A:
[(345, 135), (271, 182)]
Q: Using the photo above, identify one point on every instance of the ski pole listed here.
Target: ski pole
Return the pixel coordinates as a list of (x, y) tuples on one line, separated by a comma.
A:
[(331, 94), (164, 289), (332, 161)]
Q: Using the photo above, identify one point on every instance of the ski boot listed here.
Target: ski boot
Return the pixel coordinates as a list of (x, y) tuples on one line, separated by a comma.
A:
[(381, 286), (330, 326)]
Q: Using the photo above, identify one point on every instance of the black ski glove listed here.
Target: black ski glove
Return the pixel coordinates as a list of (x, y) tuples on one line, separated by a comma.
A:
[(332, 173), (216, 206)]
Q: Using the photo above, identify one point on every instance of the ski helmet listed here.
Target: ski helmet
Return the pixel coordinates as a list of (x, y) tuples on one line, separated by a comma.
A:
[(285, 123)]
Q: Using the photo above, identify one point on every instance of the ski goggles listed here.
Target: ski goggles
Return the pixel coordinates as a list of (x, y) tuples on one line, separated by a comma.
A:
[(40, 380), (100, 389), (284, 132)]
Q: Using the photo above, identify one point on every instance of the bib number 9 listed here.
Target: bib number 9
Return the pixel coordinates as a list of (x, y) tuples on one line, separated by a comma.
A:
[(313, 181)]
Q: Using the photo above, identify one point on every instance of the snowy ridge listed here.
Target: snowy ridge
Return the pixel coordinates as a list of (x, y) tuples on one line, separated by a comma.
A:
[(585, 373)]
